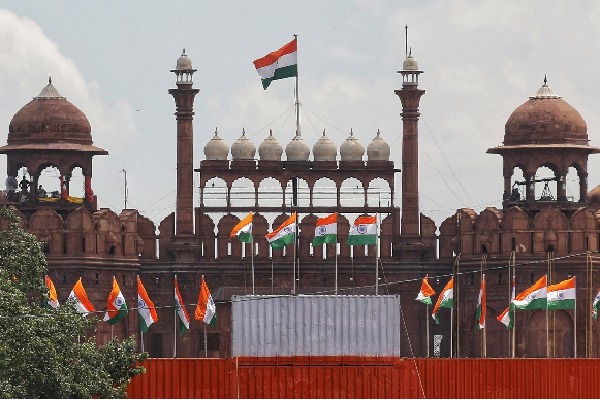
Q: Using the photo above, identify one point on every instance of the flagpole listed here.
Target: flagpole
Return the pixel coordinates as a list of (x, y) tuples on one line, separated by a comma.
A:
[(427, 319), (297, 97), (513, 334), (376, 257), (175, 331), (451, 331), (575, 323), (336, 263), (547, 337), (252, 250)]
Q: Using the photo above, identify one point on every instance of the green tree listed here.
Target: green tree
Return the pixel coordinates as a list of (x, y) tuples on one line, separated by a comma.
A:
[(45, 352)]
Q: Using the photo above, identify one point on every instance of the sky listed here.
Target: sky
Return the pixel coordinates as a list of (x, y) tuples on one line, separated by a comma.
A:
[(481, 60)]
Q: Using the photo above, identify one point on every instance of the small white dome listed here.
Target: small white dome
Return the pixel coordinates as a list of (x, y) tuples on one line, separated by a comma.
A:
[(183, 62), (297, 149), (270, 149), (410, 64), (351, 149), (243, 148), (216, 148), (324, 149), (378, 149)]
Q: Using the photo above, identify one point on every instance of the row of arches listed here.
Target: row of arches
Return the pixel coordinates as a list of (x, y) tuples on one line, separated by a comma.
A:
[(547, 182), (271, 192)]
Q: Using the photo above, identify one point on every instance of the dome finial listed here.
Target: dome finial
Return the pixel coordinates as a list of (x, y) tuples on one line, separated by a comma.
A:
[(243, 131), (323, 132), (545, 79), (378, 133), (50, 79), (270, 132)]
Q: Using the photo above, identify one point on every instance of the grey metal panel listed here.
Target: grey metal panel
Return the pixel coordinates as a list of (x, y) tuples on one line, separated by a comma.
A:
[(267, 326)]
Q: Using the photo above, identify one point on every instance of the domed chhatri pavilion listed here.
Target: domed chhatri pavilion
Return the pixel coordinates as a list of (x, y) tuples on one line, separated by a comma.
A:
[(541, 233)]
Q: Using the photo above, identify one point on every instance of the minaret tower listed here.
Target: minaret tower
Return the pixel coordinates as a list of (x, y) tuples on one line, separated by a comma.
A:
[(184, 101), (411, 246)]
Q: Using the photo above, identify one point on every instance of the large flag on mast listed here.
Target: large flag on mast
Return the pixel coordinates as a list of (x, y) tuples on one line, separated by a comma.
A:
[(446, 299), (243, 230), (52, 297), (146, 311), (184, 319), (326, 230), (426, 292), (562, 295), (116, 307), (533, 298), (284, 235), (79, 296), (481, 306), (282, 63), (206, 310)]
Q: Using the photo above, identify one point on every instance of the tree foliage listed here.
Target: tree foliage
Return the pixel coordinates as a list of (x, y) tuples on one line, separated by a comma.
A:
[(45, 352)]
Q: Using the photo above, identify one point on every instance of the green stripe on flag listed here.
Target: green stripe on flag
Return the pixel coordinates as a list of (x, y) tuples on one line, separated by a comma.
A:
[(321, 239), (282, 241), (280, 73), (361, 239)]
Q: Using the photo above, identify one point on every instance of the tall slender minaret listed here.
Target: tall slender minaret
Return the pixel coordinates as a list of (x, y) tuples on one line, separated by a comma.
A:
[(184, 101), (410, 95)]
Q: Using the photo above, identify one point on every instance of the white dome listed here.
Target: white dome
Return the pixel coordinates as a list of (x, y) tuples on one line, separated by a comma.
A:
[(184, 62), (270, 149), (243, 148), (216, 148), (410, 64), (378, 149), (324, 149), (351, 149), (297, 149)]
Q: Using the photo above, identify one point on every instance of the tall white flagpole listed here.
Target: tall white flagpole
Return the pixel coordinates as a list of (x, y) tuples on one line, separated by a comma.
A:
[(252, 250)]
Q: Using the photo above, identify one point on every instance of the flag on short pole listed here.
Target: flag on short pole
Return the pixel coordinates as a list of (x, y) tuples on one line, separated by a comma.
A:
[(206, 310), (534, 297), (481, 306), (596, 305), (445, 300), (426, 292), (184, 319), (82, 303), (282, 63), (507, 317), (146, 311), (243, 230), (363, 231), (284, 235), (116, 307), (52, 297), (325, 230), (562, 295)]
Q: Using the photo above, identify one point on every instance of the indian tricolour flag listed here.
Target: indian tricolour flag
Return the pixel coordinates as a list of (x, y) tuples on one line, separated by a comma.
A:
[(82, 303), (284, 235), (481, 306), (363, 231), (446, 299), (562, 295), (326, 230), (507, 317), (116, 307), (533, 298), (426, 292), (282, 63), (243, 230), (206, 310), (596, 305), (52, 297), (146, 311), (184, 319)]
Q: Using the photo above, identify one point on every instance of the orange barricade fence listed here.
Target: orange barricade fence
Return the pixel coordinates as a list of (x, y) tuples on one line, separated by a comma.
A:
[(367, 377)]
